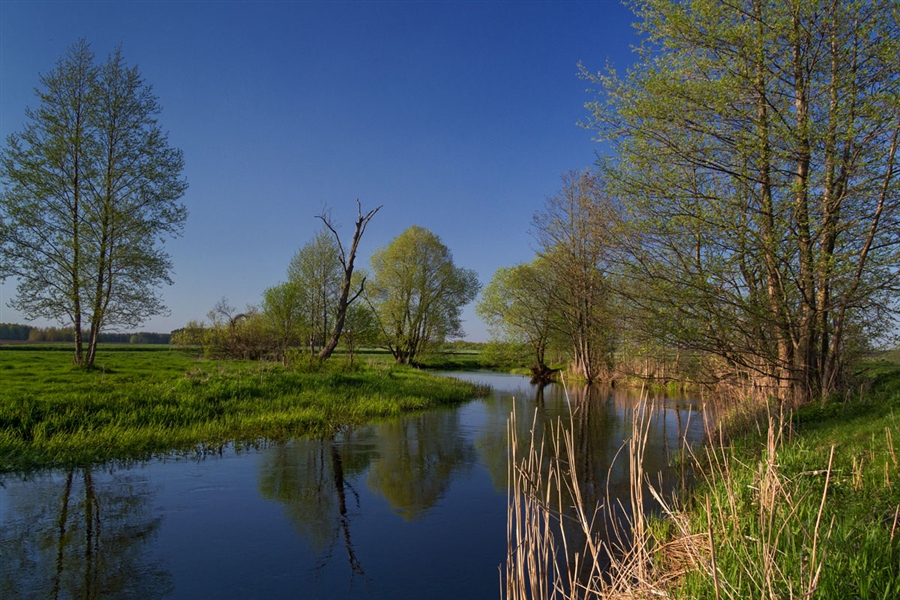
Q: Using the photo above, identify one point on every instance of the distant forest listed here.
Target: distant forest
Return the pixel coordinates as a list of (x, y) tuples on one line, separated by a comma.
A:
[(23, 333)]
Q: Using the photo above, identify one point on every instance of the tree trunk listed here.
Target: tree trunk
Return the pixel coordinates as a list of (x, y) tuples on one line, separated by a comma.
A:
[(347, 263)]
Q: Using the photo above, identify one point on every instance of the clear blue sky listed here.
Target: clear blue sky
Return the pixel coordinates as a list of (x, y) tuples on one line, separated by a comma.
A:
[(455, 116)]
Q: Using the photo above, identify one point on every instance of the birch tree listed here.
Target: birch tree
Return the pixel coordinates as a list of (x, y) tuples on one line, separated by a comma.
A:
[(90, 187)]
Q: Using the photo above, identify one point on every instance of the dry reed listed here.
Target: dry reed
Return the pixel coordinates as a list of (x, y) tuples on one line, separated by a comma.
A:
[(716, 549), (544, 562)]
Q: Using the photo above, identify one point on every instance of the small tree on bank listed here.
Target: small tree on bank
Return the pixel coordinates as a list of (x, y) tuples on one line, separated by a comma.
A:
[(519, 309), (312, 306), (417, 293), (90, 187), (314, 275)]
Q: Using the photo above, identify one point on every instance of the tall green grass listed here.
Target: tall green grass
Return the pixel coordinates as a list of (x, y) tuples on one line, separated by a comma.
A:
[(809, 507), (136, 404)]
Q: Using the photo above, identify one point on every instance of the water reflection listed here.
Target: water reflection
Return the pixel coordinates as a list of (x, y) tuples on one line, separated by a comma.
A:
[(412, 507), (600, 418), (314, 480), (601, 421), (80, 534), (418, 458)]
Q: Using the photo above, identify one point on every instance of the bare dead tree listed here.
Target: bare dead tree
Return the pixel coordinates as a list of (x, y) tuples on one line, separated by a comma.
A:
[(347, 259)]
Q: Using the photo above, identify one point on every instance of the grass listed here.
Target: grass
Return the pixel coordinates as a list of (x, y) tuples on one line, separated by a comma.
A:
[(803, 505), (806, 505), (810, 507), (138, 403), (454, 360)]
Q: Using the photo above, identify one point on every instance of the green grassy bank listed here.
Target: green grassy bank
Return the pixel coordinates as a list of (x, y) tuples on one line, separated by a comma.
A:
[(807, 506), (139, 402)]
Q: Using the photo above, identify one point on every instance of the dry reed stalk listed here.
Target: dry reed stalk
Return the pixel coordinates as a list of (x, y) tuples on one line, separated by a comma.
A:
[(894, 526), (890, 444), (542, 563), (814, 582), (712, 550), (760, 559)]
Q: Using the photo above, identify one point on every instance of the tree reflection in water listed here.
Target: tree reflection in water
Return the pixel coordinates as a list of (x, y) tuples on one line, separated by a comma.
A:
[(313, 478), (419, 457), (601, 423), (80, 536), (410, 462)]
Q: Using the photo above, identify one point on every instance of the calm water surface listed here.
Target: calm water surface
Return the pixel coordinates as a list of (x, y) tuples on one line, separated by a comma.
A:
[(411, 508)]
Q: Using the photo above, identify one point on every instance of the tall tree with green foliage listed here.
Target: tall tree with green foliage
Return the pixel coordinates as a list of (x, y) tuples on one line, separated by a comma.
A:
[(755, 147), (90, 187), (315, 274), (573, 235), (518, 308), (417, 293)]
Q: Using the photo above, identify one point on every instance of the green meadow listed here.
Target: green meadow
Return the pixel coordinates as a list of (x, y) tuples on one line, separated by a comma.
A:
[(142, 401)]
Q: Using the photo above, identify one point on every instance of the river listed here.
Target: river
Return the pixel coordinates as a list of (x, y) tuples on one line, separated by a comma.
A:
[(409, 508)]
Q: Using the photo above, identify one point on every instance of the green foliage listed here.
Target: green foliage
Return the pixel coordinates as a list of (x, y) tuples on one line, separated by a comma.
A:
[(506, 356), (360, 329), (754, 151), (563, 297), (192, 334), (772, 530), (15, 332), (518, 306), (136, 404), (91, 188), (418, 293), (287, 321), (314, 279), (142, 337)]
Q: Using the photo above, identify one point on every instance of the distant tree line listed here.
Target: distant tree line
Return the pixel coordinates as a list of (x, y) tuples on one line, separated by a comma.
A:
[(13, 331), (28, 333)]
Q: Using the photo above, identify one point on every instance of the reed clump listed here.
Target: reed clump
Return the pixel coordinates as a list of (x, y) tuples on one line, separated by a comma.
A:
[(802, 504), (560, 546)]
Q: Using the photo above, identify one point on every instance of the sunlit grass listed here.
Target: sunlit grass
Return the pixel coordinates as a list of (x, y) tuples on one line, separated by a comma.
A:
[(136, 404), (809, 507)]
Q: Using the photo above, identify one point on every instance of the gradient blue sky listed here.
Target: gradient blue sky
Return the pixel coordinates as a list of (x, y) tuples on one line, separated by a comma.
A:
[(455, 116)]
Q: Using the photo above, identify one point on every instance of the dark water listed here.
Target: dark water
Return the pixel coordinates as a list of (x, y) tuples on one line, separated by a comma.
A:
[(411, 508)]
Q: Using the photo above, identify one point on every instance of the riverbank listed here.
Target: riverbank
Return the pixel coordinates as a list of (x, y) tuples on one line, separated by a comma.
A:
[(807, 505), (788, 505), (141, 402)]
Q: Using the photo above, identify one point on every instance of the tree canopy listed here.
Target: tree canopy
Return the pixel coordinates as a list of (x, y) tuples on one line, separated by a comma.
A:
[(517, 308), (417, 293), (754, 147), (90, 188)]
